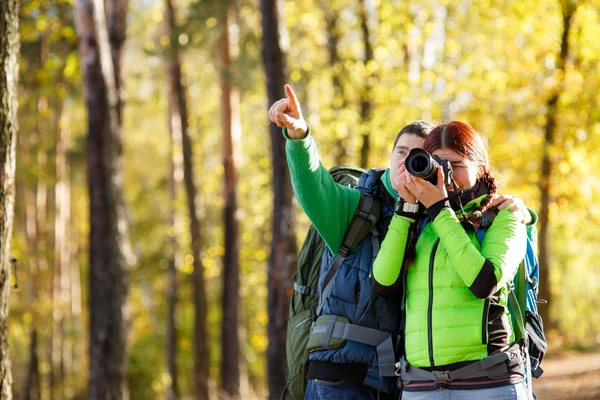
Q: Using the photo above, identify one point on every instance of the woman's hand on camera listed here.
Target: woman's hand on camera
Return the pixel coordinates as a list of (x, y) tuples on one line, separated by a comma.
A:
[(427, 193), (399, 183)]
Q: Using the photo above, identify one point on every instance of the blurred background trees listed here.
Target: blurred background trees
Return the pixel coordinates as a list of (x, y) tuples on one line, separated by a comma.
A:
[(186, 160)]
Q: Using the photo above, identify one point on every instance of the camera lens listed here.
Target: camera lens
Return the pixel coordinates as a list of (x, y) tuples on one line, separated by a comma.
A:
[(421, 164)]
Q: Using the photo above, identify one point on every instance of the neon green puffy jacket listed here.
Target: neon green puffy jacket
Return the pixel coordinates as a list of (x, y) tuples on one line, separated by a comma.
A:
[(456, 289)]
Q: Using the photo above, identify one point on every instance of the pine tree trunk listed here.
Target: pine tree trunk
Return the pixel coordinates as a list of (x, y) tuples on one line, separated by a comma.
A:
[(366, 93), (32, 388), (174, 182), (337, 72), (544, 237), (62, 352), (179, 119), (230, 340), (110, 251), (174, 260), (76, 305), (282, 261), (9, 68)]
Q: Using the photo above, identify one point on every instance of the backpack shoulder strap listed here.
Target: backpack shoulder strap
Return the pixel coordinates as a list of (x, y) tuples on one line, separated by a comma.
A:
[(365, 217)]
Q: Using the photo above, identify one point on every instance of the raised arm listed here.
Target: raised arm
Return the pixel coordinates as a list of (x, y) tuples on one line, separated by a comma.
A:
[(329, 206)]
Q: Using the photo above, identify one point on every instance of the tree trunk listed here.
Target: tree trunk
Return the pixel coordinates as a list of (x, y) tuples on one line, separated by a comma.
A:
[(179, 121), (282, 261), (337, 72), (230, 339), (32, 389), (365, 96), (62, 345), (175, 259), (100, 47), (60, 224), (76, 304), (175, 180), (544, 237), (9, 74)]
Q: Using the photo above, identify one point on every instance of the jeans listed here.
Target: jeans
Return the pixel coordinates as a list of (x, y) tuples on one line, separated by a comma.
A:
[(517, 391), (343, 390)]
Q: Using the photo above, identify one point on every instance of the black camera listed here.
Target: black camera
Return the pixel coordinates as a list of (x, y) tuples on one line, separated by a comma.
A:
[(421, 164)]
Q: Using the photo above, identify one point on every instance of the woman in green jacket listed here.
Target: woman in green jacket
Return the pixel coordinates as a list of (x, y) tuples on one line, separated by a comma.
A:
[(455, 287)]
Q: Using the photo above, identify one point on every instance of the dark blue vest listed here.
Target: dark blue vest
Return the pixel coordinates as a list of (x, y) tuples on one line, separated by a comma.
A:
[(352, 297)]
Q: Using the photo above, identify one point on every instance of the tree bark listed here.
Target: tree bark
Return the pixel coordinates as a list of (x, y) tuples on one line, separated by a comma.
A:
[(282, 261), (175, 180), (59, 277), (230, 339), (337, 72), (9, 74), (32, 386), (365, 96), (179, 121), (175, 259), (101, 34), (544, 237), (62, 345)]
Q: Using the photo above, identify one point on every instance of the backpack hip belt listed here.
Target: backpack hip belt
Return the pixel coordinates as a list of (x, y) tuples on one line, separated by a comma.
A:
[(495, 366), (331, 327)]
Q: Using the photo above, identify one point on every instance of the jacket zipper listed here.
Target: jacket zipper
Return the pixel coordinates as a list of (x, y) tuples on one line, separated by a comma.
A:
[(484, 323), (430, 309)]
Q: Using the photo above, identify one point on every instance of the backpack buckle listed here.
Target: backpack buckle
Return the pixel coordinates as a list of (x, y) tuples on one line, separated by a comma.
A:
[(398, 366), (362, 214), (344, 250), (443, 376)]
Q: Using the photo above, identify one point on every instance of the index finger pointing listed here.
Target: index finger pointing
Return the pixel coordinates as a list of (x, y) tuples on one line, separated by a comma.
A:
[(291, 96)]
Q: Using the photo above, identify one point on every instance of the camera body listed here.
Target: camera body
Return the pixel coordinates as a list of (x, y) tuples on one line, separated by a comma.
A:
[(421, 164)]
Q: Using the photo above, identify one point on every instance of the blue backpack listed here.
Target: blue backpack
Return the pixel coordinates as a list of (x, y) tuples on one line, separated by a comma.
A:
[(523, 302)]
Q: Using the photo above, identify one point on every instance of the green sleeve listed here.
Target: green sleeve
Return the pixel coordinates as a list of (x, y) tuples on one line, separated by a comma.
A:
[(329, 206), (387, 265), (504, 246)]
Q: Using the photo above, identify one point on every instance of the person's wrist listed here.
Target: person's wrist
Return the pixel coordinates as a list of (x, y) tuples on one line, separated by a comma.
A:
[(300, 132), (434, 209), (431, 200), (406, 209)]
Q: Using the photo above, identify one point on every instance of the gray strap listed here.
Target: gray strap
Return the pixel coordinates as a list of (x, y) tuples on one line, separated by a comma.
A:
[(349, 240), (305, 290), (375, 241), (356, 333), (492, 365), (489, 366), (328, 332), (361, 334), (337, 263), (386, 357)]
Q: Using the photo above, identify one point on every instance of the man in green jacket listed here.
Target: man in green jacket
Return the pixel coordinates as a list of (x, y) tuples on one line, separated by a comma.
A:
[(351, 371)]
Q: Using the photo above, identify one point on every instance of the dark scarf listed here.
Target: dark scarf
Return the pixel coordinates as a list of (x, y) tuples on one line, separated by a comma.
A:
[(467, 195)]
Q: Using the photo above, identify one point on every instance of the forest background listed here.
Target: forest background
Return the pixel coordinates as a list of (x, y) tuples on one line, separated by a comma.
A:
[(198, 182)]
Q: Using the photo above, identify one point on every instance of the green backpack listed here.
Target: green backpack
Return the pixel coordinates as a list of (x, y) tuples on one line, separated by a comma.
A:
[(305, 299)]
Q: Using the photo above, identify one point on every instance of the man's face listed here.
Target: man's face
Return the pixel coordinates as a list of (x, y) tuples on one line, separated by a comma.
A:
[(405, 144)]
